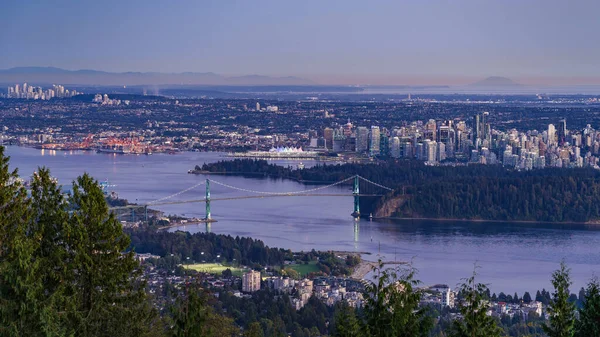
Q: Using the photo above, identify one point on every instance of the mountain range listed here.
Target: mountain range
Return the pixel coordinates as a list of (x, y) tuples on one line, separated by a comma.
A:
[(48, 75), (496, 81)]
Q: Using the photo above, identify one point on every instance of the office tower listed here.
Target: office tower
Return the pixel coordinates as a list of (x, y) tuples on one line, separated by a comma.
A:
[(431, 148), (562, 131), (328, 135), (551, 134), (476, 131), (395, 148), (257, 106), (441, 151), (374, 146), (384, 144), (485, 126)]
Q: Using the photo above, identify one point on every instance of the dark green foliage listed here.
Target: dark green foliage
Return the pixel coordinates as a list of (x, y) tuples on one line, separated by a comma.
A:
[(62, 267), (588, 323), (392, 305), (193, 316), (475, 321), (562, 312), (246, 251), (346, 324), (466, 192)]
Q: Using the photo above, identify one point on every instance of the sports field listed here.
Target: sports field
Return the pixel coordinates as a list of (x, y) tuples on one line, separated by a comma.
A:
[(213, 268)]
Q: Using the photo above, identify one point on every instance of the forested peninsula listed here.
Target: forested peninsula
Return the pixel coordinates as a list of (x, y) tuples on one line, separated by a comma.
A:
[(471, 192)]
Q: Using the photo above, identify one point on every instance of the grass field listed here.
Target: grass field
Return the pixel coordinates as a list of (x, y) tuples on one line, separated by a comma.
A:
[(304, 269), (213, 268)]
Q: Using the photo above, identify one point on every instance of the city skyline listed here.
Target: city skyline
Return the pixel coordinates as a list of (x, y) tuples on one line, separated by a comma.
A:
[(412, 43)]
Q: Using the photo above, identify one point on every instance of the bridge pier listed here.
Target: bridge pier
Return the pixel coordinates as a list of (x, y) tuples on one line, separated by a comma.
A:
[(356, 192)]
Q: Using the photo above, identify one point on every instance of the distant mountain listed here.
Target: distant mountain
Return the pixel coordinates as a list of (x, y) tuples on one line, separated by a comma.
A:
[(49, 75), (496, 81)]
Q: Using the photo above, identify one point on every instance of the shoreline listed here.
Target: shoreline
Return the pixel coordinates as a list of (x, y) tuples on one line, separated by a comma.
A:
[(594, 223)]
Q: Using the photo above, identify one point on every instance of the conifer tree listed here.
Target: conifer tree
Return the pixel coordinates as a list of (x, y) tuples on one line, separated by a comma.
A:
[(562, 312), (346, 322), (588, 323), (193, 316), (392, 305), (109, 298), (18, 284), (475, 321)]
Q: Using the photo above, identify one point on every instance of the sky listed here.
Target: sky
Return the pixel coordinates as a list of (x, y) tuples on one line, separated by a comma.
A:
[(328, 41)]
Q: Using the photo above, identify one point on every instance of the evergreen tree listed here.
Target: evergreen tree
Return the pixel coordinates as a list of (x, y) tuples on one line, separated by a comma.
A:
[(19, 288), (346, 322), (527, 297), (588, 323), (392, 305), (193, 316), (109, 298), (475, 321), (562, 312), (254, 330)]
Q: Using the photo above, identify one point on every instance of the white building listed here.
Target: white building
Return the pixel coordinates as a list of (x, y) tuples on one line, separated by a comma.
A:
[(251, 281)]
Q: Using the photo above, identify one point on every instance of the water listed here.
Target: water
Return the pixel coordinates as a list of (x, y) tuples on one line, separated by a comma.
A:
[(512, 257)]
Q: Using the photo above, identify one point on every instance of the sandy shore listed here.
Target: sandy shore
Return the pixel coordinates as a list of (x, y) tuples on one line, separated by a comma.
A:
[(365, 267)]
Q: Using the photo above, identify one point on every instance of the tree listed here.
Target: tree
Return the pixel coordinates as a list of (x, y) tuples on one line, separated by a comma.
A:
[(475, 322), (193, 316), (527, 297), (109, 297), (588, 323), (254, 330), (19, 288), (561, 311), (392, 305), (346, 322)]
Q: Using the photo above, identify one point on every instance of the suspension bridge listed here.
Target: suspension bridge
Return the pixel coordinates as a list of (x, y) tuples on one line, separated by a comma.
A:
[(373, 189)]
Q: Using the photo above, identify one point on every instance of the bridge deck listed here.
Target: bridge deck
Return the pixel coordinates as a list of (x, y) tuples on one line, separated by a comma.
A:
[(240, 198)]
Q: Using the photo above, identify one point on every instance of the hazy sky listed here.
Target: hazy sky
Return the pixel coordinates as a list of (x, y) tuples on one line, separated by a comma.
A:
[(345, 41)]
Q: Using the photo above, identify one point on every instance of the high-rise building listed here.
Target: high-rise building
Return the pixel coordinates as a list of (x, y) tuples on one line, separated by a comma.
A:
[(430, 149), (362, 139), (448, 298), (562, 131), (257, 106), (395, 148), (441, 151), (251, 281), (328, 135), (374, 146), (551, 134)]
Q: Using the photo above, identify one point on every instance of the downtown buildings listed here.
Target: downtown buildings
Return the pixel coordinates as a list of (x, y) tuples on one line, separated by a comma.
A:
[(472, 141), (26, 91)]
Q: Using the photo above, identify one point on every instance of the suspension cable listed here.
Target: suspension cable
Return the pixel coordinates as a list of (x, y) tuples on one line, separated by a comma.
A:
[(281, 193), (176, 194), (376, 184)]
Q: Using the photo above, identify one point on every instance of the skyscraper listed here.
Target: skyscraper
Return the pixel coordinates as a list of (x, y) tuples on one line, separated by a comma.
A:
[(375, 141), (328, 135), (562, 131), (395, 148), (362, 139), (551, 134)]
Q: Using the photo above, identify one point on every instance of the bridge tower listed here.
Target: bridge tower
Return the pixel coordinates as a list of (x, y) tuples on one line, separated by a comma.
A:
[(208, 215), (356, 192)]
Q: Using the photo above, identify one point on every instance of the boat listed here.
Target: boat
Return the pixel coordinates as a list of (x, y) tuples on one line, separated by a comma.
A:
[(118, 149)]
